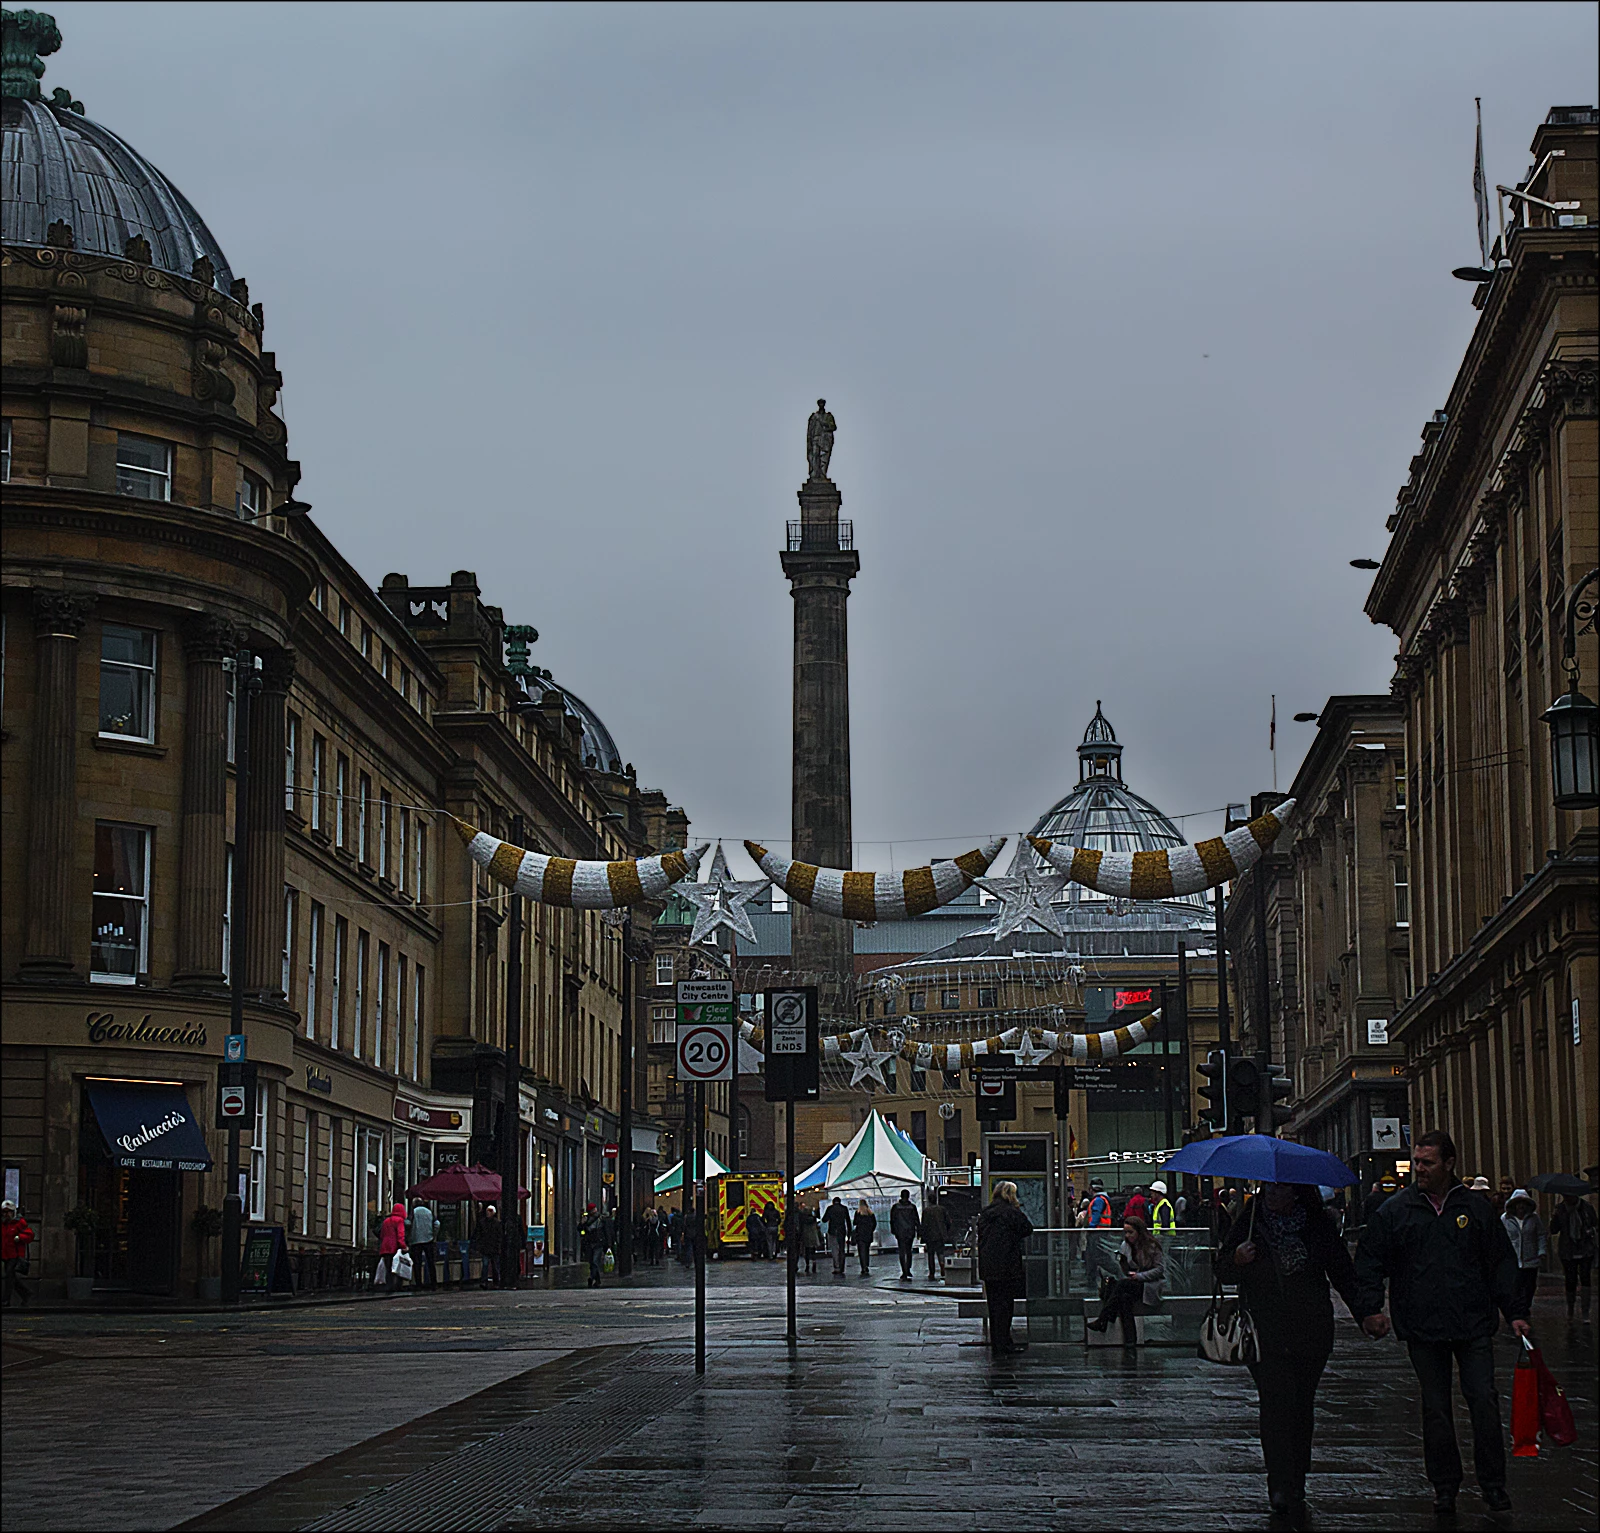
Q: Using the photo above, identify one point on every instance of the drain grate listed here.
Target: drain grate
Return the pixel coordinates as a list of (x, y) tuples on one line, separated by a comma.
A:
[(478, 1487)]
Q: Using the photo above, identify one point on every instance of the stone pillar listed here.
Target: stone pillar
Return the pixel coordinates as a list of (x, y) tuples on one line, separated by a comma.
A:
[(202, 892), (820, 571), (58, 619), (264, 824)]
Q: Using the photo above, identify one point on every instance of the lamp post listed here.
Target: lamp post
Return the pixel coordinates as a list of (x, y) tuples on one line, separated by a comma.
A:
[(1574, 719)]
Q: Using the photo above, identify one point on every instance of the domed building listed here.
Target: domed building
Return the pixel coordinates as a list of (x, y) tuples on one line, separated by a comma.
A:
[(176, 625)]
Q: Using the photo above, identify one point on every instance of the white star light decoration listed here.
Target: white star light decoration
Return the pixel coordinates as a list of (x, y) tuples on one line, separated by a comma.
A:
[(1026, 894), (1027, 1054), (866, 1061), (720, 901)]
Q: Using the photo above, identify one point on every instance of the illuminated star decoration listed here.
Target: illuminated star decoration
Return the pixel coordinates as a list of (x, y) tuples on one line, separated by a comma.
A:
[(1027, 1054), (1026, 894), (720, 901), (866, 1061)]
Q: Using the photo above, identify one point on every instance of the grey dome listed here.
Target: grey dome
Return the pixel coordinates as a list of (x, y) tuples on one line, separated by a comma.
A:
[(59, 167), (596, 747)]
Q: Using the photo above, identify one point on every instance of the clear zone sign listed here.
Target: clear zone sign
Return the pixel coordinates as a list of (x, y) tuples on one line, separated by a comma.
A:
[(705, 1042)]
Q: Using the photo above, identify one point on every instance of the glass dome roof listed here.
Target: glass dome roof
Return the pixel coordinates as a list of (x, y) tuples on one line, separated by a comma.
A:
[(596, 747)]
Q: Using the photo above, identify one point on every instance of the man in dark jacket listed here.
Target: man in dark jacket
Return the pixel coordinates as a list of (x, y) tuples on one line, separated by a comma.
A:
[(1449, 1266), (837, 1224), (935, 1235), (905, 1226), (1003, 1229)]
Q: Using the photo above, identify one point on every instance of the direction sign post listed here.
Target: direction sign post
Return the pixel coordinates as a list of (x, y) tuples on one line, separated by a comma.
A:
[(793, 1054), (705, 1053)]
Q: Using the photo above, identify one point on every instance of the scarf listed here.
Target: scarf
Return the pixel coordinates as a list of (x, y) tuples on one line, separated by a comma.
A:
[(1286, 1236)]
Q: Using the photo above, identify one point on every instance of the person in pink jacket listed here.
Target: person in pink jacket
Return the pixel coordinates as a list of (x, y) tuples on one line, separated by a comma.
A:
[(392, 1239)]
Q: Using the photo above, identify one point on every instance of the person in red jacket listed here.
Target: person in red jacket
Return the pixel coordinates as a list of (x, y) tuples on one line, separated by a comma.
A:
[(14, 1238), (392, 1239)]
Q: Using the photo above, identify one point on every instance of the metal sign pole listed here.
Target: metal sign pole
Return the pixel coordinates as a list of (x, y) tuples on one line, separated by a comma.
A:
[(700, 1229), (244, 670), (512, 1222), (791, 1218)]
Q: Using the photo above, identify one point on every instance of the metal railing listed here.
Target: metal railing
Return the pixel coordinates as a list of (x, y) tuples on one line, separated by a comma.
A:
[(1064, 1272), (822, 537)]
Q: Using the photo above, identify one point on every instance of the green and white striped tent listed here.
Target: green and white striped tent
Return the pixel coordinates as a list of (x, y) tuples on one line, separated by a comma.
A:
[(879, 1159), (671, 1181)]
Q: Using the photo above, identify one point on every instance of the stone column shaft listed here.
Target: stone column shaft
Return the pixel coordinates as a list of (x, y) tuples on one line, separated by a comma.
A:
[(202, 878), (265, 826), (51, 943)]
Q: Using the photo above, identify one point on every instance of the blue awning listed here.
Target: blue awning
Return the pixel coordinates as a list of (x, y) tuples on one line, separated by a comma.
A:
[(149, 1126)]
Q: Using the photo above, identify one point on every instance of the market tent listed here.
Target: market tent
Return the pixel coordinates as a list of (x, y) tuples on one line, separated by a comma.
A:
[(879, 1152), (670, 1181), (817, 1175)]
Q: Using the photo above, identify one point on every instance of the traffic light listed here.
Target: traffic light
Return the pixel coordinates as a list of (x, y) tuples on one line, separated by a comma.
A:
[(1244, 1089), (1275, 1086), (1215, 1091)]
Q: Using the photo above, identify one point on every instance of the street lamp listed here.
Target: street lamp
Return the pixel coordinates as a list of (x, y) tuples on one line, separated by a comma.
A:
[(289, 508), (1574, 720), (1365, 564), (1306, 718)]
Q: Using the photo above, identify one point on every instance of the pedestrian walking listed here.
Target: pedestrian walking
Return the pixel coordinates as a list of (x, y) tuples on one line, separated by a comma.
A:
[(1003, 1229), (769, 1217), (810, 1235), (1448, 1266), (1525, 1230), (592, 1243), (862, 1229), (905, 1226), (15, 1238), (935, 1234), (1284, 1251), (423, 1227), (1385, 1188), (1099, 1206), (489, 1238), (1144, 1273), (837, 1224), (1137, 1206), (1163, 1216), (1576, 1227), (755, 1231), (1502, 1195), (391, 1241)]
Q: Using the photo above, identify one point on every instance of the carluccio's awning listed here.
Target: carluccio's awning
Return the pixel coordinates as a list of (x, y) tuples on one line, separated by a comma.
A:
[(149, 1125)]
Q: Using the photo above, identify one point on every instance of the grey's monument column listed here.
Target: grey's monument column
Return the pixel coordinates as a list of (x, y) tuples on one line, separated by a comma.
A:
[(820, 561)]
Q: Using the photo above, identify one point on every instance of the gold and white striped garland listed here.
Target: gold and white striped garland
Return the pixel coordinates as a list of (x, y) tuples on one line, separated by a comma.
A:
[(1174, 871), (876, 896), (576, 885), (959, 1056)]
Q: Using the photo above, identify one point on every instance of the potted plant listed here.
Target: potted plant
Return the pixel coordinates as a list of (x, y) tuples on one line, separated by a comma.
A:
[(205, 1224), (86, 1223)]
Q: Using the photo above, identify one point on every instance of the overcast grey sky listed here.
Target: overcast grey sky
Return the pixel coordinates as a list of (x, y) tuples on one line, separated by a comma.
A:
[(1130, 317)]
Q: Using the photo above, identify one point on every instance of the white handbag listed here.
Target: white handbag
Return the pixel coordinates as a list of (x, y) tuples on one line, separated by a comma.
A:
[(402, 1266), (1228, 1334)]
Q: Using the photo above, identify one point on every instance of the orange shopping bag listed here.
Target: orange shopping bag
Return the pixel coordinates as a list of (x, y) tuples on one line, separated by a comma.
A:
[(1525, 1406)]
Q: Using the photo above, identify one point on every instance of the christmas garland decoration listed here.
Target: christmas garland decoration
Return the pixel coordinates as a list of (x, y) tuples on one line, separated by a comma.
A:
[(572, 884), (876, 896), (1174, 871), (957, 1056)]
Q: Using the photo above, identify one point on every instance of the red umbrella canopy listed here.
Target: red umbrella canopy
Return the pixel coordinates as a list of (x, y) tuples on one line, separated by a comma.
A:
[(462, 1184)]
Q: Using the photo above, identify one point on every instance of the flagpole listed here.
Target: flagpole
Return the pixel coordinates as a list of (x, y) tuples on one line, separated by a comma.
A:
[(1272, 744)]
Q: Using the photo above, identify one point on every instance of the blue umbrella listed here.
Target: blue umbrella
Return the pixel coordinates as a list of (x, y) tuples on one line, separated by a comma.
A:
[(1262, 1158)]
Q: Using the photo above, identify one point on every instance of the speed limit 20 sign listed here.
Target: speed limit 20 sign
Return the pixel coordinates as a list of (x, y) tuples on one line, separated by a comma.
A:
[(705, 1030)]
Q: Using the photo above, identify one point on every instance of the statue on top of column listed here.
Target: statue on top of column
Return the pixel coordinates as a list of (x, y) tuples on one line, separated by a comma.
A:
[(819, 440)]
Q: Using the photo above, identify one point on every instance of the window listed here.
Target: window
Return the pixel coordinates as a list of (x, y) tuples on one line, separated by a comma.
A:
[(366, 644), (291, 762), (5, 452), (988, 995), (421, 887), (127, 683), (308, 1167), (1399, 782), (663, 1023), (919, 1131), (227, 914), (385, 813), (258, 1157), (358, 1032), (251, 503), (144, 467), (230, 690), (399, 1011), (314, 972), (341, 944), (1402, 893), (950, 1000), (919, 1079), (319, 596), (119, 951), (344, 617), (388, 663), (380, 1003), (290, 905), (417, 978), (663, 968), (952, 1079), (405, 842), (917, 1001), (405, 682), (329, 1178), (363, 846), (319, 766), (341, 791)]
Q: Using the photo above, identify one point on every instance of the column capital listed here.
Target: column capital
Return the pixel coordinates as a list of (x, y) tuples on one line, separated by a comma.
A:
[(61, 614), (277, 669), (207, 636)]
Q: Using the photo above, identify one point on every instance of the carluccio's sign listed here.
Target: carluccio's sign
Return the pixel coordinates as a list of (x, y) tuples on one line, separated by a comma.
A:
[(104, 1028)]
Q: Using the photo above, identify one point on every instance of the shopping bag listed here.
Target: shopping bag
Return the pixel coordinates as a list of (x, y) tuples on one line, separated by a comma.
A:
[(380, 1273), (608, 1262), (1555, 1411), (402, 1266), (1525, 1406)]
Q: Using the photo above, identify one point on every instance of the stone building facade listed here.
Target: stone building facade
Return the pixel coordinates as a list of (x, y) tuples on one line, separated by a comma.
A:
[(147, 478), (1496, 523), (1319, 934)]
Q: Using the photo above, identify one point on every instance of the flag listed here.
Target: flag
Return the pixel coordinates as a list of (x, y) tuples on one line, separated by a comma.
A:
[(1272, 728), (1480, 188)]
